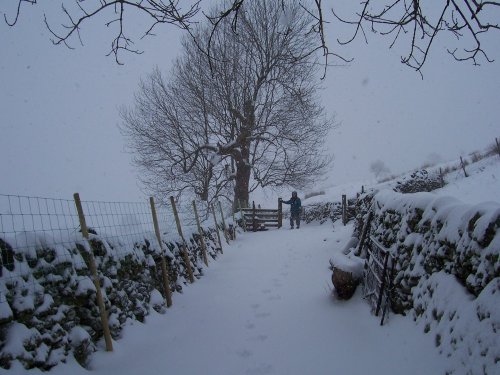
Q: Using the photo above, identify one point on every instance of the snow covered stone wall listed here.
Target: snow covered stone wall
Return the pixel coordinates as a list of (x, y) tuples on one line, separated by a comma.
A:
[(48, 306), (447, 271), (328, 211)]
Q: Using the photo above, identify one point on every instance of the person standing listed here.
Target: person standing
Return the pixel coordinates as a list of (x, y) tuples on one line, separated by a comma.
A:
[(295, 209)]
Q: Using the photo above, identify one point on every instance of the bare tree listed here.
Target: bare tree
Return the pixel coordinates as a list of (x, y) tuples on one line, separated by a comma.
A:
[(250, 117), (466, 20)]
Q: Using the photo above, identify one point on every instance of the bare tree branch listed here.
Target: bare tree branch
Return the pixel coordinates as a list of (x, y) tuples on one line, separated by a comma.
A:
[(470, 16)]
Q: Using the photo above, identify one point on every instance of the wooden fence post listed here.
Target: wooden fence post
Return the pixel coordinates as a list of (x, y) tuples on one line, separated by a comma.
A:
[(94, 277), (217, 229), (254, 217), (202, 240), (184, 253), (441, 177), (224, 229), (163, 264), (344, 209), (498, 145), (280, 213), (462, 163), (242, 217)]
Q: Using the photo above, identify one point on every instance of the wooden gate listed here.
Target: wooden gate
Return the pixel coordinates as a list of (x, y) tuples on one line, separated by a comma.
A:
[(256, 219)]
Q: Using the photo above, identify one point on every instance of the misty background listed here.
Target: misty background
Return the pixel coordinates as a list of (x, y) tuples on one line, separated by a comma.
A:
[(59, 108)]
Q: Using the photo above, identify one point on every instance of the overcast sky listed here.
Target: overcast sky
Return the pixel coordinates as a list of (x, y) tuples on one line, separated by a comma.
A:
[(59, 108)]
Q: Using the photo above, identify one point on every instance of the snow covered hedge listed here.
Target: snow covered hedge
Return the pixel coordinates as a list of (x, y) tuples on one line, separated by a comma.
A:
[(48, 307), (447, 271)]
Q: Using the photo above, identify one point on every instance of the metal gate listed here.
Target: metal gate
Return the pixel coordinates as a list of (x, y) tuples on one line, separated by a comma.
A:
[(378, 276)]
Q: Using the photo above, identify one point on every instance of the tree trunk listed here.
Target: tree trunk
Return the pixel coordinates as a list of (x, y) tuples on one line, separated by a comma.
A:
[(241, 193)]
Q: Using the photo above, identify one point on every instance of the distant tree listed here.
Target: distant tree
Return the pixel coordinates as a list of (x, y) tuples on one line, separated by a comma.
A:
[(249, 117), (467, 20), (379, 169)]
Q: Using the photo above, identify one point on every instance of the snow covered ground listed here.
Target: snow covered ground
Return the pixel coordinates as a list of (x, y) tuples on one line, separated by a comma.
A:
[(265, 307)]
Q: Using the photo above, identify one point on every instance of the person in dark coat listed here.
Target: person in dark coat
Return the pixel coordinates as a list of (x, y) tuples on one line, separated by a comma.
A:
[(295, 209)]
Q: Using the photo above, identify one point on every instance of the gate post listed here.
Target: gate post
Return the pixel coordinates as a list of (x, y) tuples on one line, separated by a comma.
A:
[(254, 219), (280, 213)]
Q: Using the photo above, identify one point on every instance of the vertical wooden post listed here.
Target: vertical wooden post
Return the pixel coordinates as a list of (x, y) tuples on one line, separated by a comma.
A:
[(95, 277), (217, 229), (254, 217), (462, 163), (441, 177), (498, 145), (280, 212), (184, 253), (224, 229), (164, 266), (344, 209), (242, 214), (362, 189), (200, 232)]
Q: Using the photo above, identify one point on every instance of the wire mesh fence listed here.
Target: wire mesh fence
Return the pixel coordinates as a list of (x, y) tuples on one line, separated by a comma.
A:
[(52, 272), (29, 227)]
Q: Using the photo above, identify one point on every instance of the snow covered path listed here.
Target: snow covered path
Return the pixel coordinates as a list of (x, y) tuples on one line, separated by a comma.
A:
[(264, 307)]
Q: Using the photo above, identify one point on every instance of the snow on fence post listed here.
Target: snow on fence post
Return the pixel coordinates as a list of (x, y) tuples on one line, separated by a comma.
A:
[(183, 249), (164, 267), (202, 240), (344, 209), (217, 229), (462, 163), (280, 213), (242, 215), (95, 277), (223, 223)]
